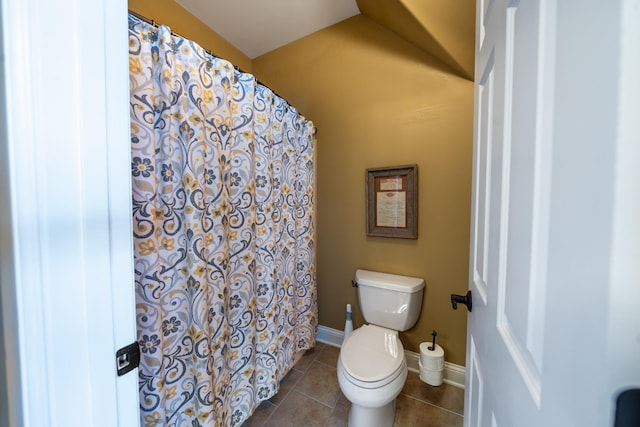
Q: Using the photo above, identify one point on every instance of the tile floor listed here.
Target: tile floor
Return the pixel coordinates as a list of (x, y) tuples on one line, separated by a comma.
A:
[(310, 396)]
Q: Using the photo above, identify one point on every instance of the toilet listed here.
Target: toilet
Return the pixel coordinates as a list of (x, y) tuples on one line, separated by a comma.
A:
[(372, 368)]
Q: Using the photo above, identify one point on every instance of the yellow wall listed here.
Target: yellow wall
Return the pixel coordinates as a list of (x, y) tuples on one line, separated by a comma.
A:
[(168, 12), (377, 100), (452, 24)]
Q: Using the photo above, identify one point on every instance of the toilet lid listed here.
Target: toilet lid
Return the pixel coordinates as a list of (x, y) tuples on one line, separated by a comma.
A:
[(372, 353)]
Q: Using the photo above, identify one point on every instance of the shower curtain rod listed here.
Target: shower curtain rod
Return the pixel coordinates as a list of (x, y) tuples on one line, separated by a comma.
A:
[(156, 25)]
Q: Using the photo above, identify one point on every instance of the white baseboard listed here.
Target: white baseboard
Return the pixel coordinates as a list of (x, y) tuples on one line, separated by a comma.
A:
[(453, 374), (330, 336)]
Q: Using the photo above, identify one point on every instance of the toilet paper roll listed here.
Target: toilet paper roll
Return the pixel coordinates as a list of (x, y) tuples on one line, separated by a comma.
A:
[(428, 369), (432, 360), (431, 377)]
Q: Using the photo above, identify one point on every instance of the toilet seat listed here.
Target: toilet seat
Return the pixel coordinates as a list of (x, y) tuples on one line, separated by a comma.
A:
[(372, 356)]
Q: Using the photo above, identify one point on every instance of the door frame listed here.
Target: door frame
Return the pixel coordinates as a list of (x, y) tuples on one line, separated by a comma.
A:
[(66, 250)]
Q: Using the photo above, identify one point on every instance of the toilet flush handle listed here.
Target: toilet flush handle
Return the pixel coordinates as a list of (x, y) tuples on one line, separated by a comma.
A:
[(464, 299)]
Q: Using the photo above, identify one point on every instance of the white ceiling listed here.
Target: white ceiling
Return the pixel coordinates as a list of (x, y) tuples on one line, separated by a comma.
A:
[(256, 27)]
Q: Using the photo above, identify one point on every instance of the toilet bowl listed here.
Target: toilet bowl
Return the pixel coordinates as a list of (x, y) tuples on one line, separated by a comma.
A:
[(372, 368), (371, 372)]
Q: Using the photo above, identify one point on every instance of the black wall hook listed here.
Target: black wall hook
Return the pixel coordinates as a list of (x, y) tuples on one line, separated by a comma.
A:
[(463, 299)]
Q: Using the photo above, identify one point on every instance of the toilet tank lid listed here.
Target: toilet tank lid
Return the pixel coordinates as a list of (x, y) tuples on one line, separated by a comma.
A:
[(393, 282)]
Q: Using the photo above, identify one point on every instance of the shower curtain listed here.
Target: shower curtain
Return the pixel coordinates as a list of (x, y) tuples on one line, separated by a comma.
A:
[(223, 218)]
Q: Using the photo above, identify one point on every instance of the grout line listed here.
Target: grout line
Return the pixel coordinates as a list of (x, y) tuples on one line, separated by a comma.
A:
[(325, 364), (266, 419), (326, 424), (277, 405), (322, 403), (432, 404), (291, 389)]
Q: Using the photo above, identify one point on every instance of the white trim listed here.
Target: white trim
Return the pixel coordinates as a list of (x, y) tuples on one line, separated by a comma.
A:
[(330, 336), (20, 250), (624, 320), (66, 270), (118, 152), (453, 374)]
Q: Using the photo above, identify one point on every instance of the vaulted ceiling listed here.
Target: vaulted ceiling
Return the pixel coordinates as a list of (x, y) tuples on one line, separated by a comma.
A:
[(443, 28)]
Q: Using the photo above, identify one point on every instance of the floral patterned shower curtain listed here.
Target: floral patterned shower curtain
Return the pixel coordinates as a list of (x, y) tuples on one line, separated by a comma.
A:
[(223, 213)]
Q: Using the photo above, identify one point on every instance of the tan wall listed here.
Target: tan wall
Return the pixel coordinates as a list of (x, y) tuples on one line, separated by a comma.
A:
[(380, 101), (168, 12), (452, 24), (377, 100)]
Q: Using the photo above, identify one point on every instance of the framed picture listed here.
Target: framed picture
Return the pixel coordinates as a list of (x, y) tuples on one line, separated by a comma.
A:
[(392, 202)]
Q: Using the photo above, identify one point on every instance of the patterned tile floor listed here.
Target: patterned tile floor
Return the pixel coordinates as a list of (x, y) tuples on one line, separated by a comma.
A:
[(310, 396)]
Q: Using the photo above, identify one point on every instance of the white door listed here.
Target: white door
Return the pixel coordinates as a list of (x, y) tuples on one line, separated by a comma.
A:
[(65, 216), (552, 240)]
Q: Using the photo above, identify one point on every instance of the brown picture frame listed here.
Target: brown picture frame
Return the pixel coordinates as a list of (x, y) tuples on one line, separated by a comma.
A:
[(392, 202)]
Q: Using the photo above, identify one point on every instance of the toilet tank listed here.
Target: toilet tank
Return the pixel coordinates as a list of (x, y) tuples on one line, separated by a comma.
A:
[(389, 300)]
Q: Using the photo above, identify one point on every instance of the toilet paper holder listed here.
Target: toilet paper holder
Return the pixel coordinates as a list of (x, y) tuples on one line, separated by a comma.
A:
[(433, 341)]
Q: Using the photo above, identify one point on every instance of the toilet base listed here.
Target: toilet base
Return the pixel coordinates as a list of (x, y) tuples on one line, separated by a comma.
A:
[(360, 416)]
